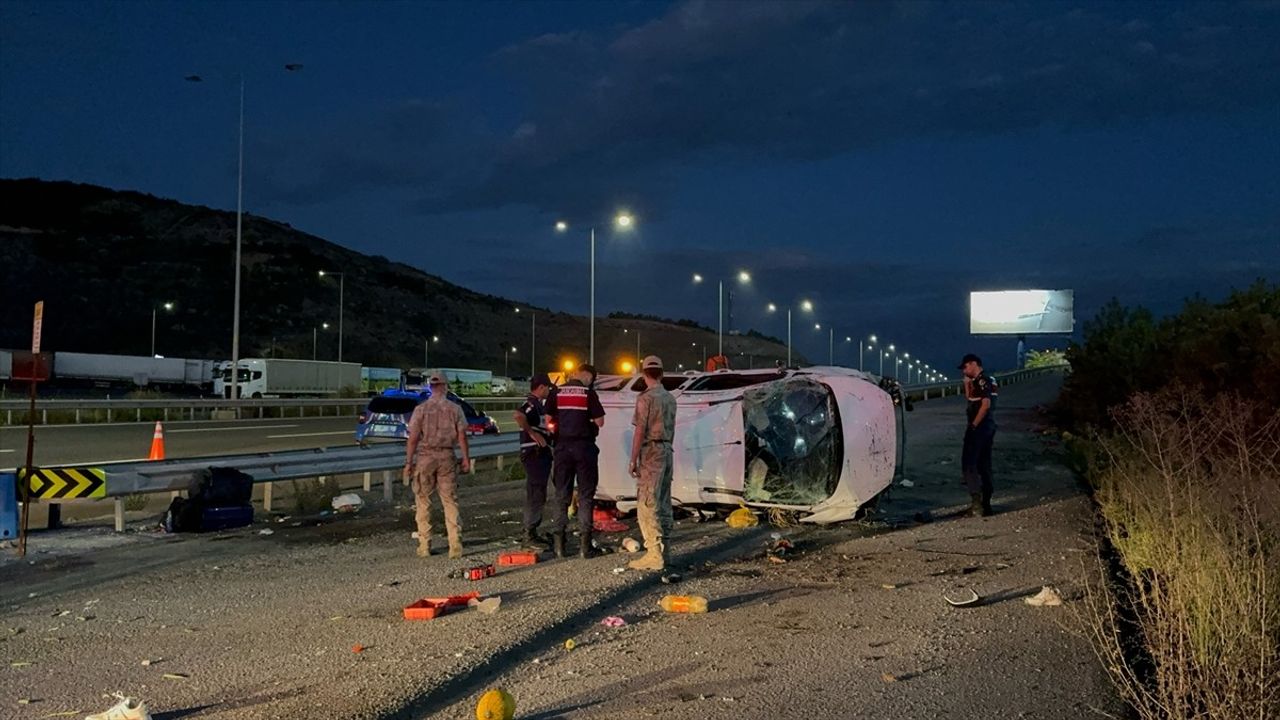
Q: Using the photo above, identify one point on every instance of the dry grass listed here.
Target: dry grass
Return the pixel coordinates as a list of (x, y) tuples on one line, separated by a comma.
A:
[(1190, 499)]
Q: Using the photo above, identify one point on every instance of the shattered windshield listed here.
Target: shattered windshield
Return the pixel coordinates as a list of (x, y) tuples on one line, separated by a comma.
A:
[(793, 443)]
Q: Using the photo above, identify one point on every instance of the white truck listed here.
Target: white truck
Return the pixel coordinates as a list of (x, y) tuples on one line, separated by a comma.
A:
[(267, 377), (140, 371)]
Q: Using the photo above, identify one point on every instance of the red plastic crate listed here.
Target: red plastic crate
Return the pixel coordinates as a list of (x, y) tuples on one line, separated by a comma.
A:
[(431, 608), (517, 557)]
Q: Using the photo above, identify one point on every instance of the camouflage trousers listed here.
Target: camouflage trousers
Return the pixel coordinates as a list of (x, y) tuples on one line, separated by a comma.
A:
[(436, 471), (653, 496)]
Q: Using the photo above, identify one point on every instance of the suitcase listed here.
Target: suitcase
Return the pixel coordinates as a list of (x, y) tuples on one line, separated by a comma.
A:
[(227, 516)]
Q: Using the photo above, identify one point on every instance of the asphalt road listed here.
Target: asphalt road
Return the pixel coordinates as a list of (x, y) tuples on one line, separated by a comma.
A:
[(248, 626), (67, 444)]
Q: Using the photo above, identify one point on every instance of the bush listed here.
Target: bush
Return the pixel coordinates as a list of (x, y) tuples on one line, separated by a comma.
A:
[(1189, 489), (1230, 347)]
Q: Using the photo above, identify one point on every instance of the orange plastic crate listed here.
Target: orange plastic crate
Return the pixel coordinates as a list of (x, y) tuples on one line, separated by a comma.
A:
[(517, 557), (431, 608)]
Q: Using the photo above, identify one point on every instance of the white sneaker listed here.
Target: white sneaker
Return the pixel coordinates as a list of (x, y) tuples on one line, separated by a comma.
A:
[(126, 709)]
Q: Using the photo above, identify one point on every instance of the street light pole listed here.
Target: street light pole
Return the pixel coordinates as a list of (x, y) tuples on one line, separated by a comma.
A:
[(831, 346), (591, 353), (342, 281), (788, 337), (720, 316), (235, 322)]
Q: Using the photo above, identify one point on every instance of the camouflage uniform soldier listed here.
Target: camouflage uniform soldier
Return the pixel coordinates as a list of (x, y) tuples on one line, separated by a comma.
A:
[(651, 465), (436, 427)]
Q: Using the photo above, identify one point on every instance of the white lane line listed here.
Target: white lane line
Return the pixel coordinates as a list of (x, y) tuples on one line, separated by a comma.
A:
[(352, 433), (231, 428), (5, 451)]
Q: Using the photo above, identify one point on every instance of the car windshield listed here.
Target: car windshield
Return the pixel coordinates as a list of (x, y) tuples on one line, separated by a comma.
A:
[(794, 443), (242, 376), (393, 405)]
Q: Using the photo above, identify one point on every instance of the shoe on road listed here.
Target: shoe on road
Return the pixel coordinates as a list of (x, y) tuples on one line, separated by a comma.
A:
[(126, 709)]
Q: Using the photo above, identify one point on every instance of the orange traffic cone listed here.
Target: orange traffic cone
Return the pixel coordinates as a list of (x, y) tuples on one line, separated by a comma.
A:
[(157, 443)]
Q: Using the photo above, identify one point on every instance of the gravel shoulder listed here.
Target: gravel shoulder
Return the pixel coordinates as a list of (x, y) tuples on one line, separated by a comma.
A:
[(257, 626)]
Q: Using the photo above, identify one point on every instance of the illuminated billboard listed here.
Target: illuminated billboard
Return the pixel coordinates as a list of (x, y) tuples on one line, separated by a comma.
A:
[(1021, 312)]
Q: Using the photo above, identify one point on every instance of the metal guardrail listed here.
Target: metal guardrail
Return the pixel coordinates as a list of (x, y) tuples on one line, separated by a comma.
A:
[(66, 412), (922, 392), (134, 478)]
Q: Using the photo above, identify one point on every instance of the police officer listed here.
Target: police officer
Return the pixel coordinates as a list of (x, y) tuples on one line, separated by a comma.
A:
[(535, 455), (981, 391), (576, 410), (651, 461), (437, 426)]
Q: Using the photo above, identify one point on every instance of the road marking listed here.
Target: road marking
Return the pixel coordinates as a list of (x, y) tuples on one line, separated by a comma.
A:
[(352, 433), (5, 451), (230, 428)]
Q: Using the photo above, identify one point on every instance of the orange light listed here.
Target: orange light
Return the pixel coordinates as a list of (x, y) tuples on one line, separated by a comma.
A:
[(569, 365), (627, 367)]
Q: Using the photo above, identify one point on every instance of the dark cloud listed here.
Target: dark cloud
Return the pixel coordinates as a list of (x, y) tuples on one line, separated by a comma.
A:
[(609, 119)]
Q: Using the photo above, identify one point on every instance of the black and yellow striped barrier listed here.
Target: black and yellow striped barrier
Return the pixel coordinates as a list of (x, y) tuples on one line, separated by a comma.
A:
[(66, 483)]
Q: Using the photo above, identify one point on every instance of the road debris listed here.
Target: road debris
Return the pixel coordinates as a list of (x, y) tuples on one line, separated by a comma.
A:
[(496, 704), (962, 599), (1047, 597), (693, 604), (619, 570), (742, 518), (889, 677), (569, 644), (613, 621), (488, 606), (889, 586), (176, 676), (631, 545), (671, 578), (266, 531), (906, 483), (357, 648), (347, 502)]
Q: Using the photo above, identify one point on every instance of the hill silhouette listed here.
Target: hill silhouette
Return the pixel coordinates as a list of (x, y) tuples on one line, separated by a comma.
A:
[(102, 259)]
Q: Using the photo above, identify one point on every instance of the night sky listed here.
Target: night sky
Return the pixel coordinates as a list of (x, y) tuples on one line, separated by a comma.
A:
[(881, 159)]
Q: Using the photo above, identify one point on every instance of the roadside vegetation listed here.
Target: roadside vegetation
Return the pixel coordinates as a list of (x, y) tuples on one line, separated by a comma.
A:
[(1178, 431)]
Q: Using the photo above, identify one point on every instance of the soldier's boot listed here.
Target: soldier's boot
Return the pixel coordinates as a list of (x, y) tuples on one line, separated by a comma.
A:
[(986, 503), (531, 537), (424, 547), (557, 543), (975, 505), (653, 559), (587, 550), (455, 545)]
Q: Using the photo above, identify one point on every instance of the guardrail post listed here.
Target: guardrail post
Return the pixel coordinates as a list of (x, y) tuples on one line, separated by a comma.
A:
[(108, 414), (77, 416), (259, 412), (368, 481), (386, 486), (266, 496), (166, 414), (501, 458), (138, 415), (119, 503), (44, 417)]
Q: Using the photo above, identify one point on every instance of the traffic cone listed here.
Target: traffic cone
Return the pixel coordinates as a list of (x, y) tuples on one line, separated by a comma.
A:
[(157, 443)]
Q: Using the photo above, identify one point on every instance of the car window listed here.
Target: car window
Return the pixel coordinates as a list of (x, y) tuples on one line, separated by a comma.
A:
[(393, 405)]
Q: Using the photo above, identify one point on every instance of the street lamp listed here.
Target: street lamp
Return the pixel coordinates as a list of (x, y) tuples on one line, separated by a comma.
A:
[(743, 277), (533, 339), (628, 330), (871, 343), (342, 280), (622, 221), (895, 356), (506, 354), (167, 306), (806, 306), (235, 315), (315, 336), (426, 351), (704, 353)]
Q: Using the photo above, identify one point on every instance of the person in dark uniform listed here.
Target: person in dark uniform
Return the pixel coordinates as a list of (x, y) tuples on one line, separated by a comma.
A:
[(535, 455), (981, 391), (576, 410)]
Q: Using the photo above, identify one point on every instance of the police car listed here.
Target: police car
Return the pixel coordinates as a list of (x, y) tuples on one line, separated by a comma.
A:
[(821, 441), (387, 416)]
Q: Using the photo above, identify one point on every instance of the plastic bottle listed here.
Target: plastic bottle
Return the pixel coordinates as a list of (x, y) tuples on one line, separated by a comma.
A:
[(683, 603)]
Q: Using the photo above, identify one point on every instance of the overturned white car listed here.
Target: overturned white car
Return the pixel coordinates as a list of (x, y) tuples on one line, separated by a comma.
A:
[(820, 441)]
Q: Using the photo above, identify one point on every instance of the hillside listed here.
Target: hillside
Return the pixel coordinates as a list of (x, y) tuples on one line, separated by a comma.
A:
[(101, 259)]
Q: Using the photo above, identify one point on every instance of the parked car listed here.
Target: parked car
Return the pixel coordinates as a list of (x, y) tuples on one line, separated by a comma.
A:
[(387, 416)]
